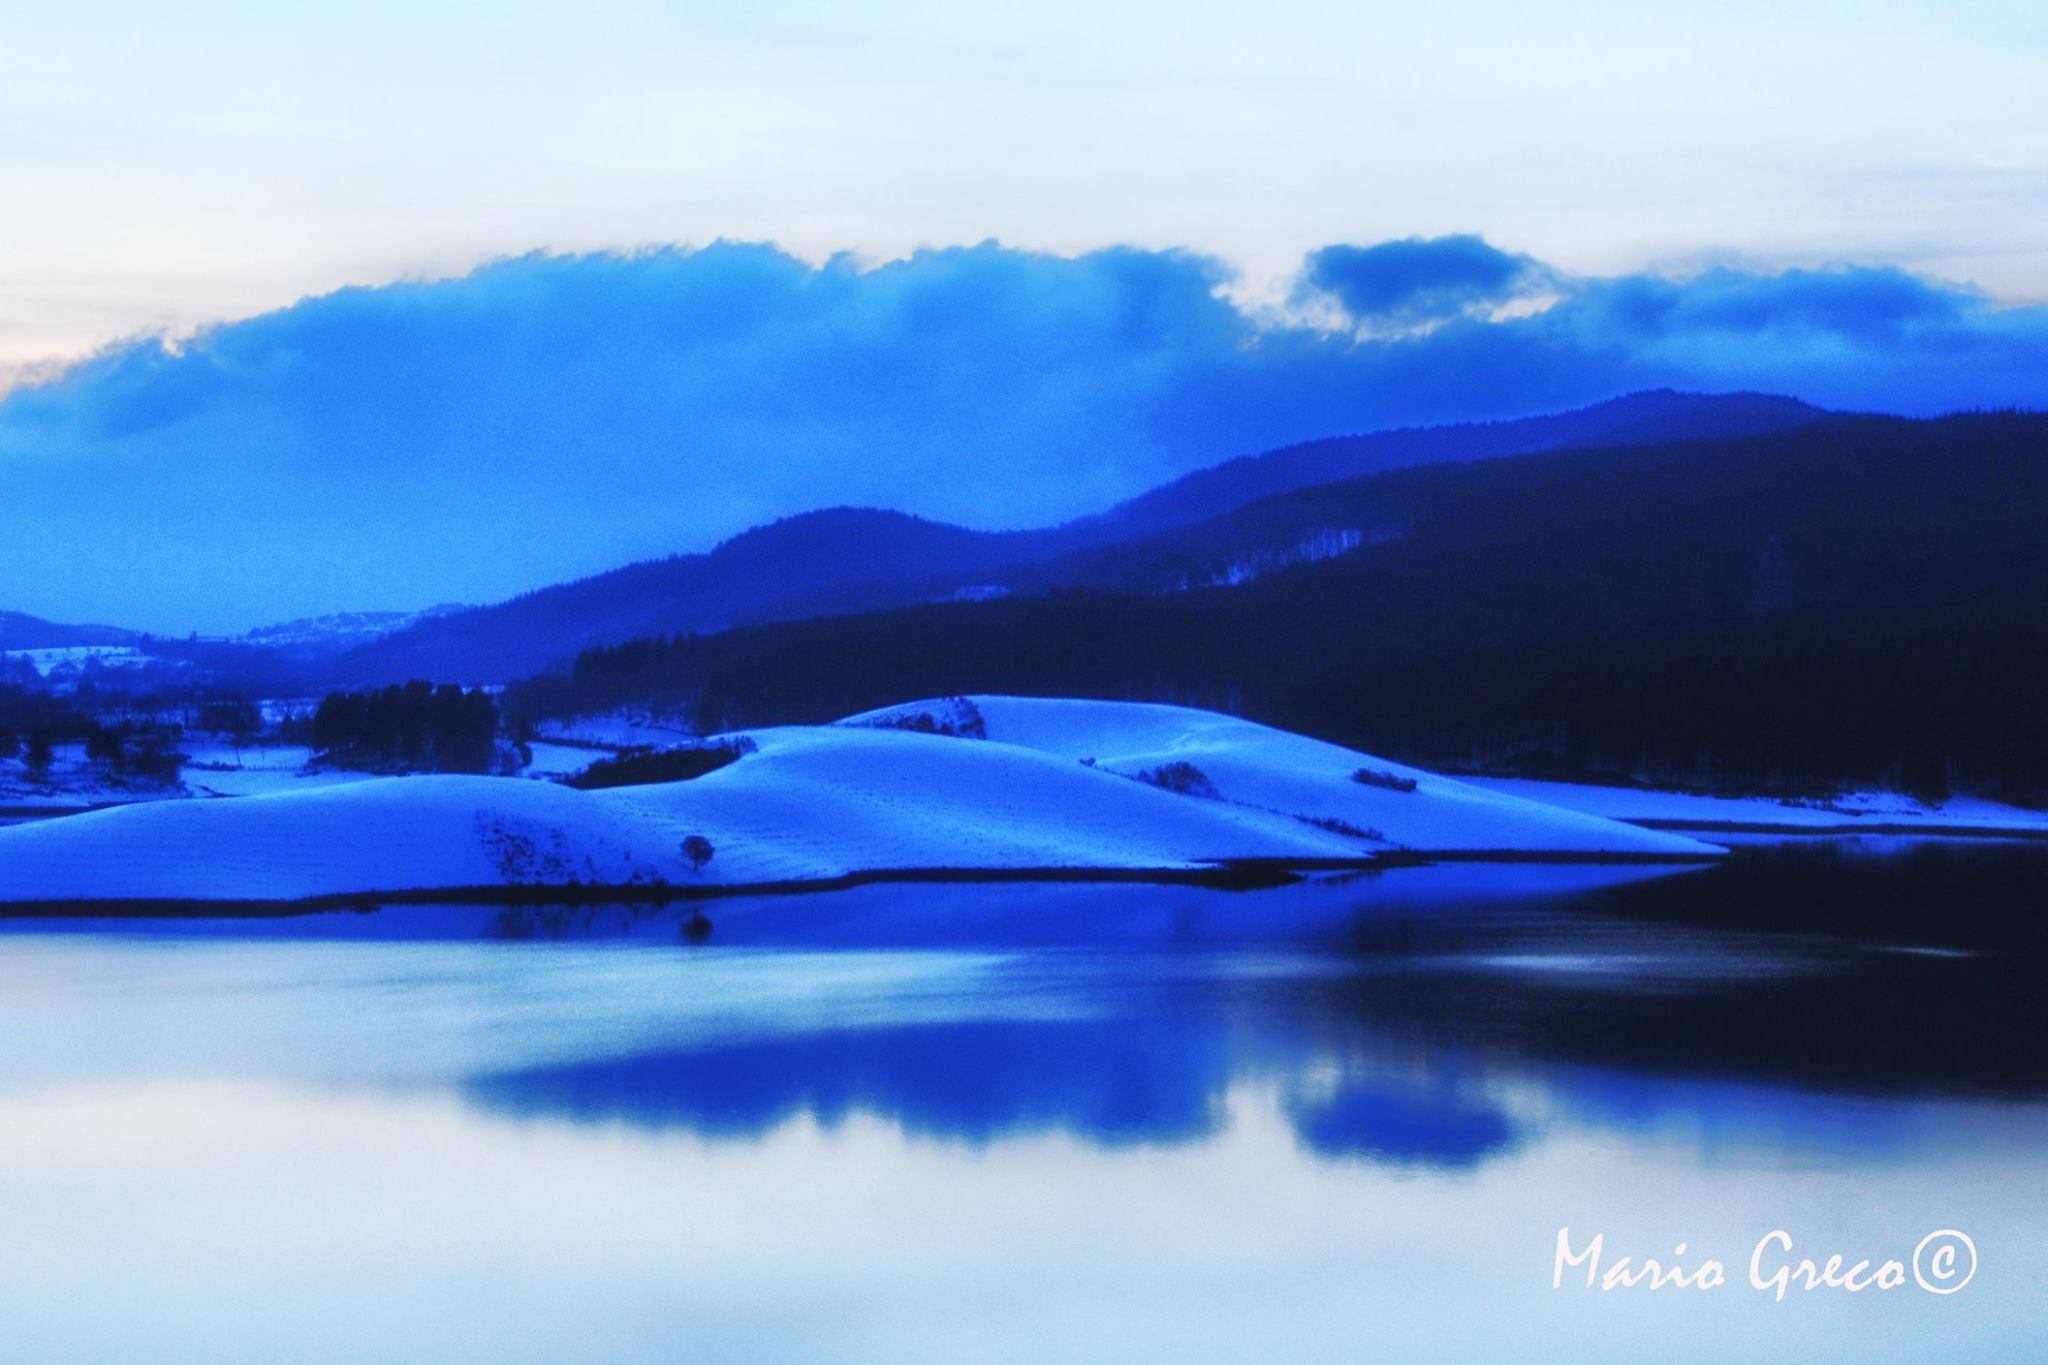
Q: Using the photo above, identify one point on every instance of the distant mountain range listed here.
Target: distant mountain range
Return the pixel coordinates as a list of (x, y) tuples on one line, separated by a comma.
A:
[(1858, 598), (1196, 530)]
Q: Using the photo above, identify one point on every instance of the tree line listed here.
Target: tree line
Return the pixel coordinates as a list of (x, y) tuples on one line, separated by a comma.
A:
[(415, 725)]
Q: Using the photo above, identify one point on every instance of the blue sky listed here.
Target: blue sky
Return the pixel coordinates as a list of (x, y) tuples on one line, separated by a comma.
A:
[(1222, 226)]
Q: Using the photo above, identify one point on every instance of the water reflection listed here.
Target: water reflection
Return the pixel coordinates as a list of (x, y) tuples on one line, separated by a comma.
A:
[(1341, 1118), (1116, 1081), (1433, 1017), (1435, 1121)]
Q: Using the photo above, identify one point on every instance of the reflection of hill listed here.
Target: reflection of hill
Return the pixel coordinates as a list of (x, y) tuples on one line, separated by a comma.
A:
[(1432, 1122), (1815, 966), (1595, 998), (1115, 1082)]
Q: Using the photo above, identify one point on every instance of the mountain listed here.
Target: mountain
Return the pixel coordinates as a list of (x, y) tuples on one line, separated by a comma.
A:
[(340, 629), (820, 563), (1634, 419), (1858, 599), (848, 560), (19, 631)]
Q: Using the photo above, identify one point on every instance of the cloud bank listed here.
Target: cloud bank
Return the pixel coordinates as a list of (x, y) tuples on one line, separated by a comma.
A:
[(552, 416)]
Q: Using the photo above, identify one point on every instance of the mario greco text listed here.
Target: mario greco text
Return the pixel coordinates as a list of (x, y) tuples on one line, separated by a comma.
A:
[(1941, 1263)]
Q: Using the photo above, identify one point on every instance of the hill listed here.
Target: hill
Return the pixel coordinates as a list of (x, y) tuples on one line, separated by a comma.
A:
[(1634, 419), (20, 631), (848, 560), (807, 805), (1853, 600), (833, 562)]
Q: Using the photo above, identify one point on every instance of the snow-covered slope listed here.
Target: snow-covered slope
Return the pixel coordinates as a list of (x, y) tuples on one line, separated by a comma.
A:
[(1848, 811), (1258, 767), (808, 804)]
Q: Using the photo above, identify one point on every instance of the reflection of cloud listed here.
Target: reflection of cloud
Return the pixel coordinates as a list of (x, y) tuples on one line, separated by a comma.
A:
[(547, 416)]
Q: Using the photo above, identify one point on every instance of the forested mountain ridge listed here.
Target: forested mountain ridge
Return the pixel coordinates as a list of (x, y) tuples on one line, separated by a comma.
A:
[(1861, 598), (844, 560)]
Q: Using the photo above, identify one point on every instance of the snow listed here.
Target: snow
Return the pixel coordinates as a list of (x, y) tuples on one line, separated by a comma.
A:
[(1316, 545), (1851, 810), (339, 630), (619, 730), (1255, 766), (43, 661), (213, 768), (560, 760), (810, 803)]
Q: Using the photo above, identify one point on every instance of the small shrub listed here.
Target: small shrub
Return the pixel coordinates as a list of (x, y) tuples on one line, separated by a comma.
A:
[(643, 767), (1183, 778), (1380, 777)]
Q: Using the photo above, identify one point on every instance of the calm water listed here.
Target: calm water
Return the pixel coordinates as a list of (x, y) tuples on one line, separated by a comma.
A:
[(1338, 1121)]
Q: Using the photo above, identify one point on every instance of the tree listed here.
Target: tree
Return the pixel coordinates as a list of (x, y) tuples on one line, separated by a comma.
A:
[(236, 717), (40, 752), (103, 746), (698, 850)]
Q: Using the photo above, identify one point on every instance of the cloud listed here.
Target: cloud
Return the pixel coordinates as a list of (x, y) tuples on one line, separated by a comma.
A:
[(551, 416), (1419, 280)]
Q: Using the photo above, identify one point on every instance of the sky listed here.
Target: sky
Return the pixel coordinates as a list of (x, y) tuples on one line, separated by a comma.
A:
[(532, 216)]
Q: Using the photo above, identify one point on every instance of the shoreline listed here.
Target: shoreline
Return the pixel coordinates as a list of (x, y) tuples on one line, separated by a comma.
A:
[(1244, 874), (1887, 828)]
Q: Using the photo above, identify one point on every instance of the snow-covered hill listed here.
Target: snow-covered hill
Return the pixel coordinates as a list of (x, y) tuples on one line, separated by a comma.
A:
[(1257, 767), (1846, 812), (808, 804), (344, 629)]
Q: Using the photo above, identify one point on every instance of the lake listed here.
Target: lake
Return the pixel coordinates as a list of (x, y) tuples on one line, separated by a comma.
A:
[(1340, 1120)]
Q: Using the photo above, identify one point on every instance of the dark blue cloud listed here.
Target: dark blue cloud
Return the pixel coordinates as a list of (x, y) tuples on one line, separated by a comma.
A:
[(1860, 305), (1420, 279), (552, 416)]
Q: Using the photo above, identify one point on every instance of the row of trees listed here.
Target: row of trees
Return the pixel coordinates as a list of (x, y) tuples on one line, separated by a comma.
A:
[(124, 749), (135, 749), (415, 725)]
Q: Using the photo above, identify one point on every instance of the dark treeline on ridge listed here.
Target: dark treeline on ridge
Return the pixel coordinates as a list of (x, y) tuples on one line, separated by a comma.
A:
[(842, 561), (1859, 601)]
